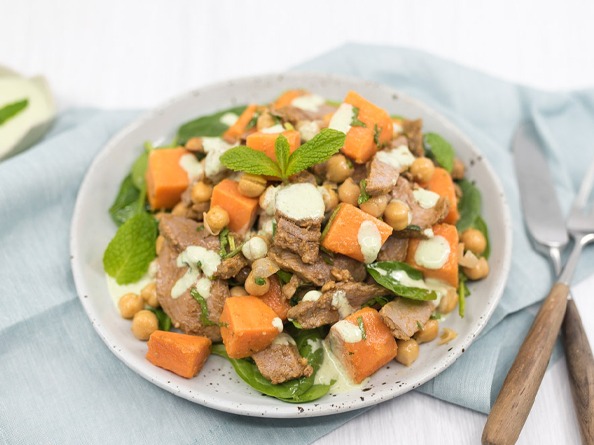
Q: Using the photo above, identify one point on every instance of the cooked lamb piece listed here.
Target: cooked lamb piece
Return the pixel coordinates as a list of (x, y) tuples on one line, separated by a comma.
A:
[(304, 177), (355, 268), (289, 289), (312, 314), (358, 294), (300, 237), (230, 267), (293, 114), (394, 249), (412, 129), (182, 232), (359, 173), (404, 317), (422, 218), (281, 362), (185, 311), (381, 179), (317, 273)]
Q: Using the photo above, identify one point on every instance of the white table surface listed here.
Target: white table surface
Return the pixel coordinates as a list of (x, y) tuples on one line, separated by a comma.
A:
[(135, 54)]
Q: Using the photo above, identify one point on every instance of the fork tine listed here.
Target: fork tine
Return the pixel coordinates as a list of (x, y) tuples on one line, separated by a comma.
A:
[(585, 189)]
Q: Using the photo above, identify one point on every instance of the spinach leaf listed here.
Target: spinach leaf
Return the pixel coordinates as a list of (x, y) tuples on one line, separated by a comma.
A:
[(294, 391), (481, 226), (11, 110), (469, 206), (126, 204), (209, 126), (382, 273), (139, 169), (440, 150), (163, 318)]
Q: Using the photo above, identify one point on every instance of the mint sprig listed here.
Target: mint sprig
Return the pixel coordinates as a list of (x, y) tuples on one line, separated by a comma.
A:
[(132, 249), (11, 110), (317, 150)]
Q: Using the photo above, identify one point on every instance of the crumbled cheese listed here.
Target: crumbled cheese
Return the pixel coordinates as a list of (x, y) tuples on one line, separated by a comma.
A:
[(278, 128), (426, 198), (308, 129), (342, 118), (308, 102), (400, 157), (228, 119), (278, 324), (192, 167), (214, 149)]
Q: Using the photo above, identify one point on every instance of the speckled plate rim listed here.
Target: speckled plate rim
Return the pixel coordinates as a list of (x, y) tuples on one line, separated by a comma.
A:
[(217, 386)]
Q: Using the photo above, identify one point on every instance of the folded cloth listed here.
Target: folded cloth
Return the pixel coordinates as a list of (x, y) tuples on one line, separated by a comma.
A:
[(488, 110), (60, 384)]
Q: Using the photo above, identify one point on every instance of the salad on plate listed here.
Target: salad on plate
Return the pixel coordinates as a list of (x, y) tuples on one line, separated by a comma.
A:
[(307, 241)]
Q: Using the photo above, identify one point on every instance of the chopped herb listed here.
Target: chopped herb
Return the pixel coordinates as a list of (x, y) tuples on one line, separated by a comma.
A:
[(204, 320), (233, 252), (377, 301), (273, 228), (376, 135), (355, 122), (260, 281), (200, 228), (283, 276), (436, 316), (296, 324), (231, 242), (11, 110), (362, 327), (328, 260), (224, 241), (413, 227), (253, 121), (363, 196), (420, 325)]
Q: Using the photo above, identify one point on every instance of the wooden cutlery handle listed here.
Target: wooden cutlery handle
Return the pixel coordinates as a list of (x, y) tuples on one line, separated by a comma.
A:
[(523, 379), (580, 364)]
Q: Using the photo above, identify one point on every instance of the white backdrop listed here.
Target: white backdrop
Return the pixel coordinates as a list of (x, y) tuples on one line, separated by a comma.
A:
[(136, 54)]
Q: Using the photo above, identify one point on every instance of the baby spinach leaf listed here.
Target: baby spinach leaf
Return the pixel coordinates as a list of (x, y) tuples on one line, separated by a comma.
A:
[(382, 273), (440, 150), (163, 318), (125, 205), (139, 169), (293, 391), (209, 126), (480, 225), (469, 205), (11, 110)]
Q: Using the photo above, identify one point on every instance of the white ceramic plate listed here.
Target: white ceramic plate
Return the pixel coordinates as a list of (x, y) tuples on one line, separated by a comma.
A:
[(217, 385)]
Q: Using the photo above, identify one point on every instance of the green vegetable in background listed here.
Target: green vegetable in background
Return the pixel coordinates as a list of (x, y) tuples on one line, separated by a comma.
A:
[(381, 272), (293, 391), (163, 318), (319, 149), (440, 150), (470, 212), (132, 249), (126, 204), (363, 196), (206, 126), (11, 110)]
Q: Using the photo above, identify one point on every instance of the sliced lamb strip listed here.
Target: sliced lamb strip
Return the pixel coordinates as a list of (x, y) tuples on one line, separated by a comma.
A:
[(230, 267), (357, 294), (422, 218), (182, 232), (317, 273), (312, 314), (355, 268), (381, 179), (279, 363), (289, 289), (185, 311), (394, 249), (412, 129), (293, 114), (404, 317), (300, 237)]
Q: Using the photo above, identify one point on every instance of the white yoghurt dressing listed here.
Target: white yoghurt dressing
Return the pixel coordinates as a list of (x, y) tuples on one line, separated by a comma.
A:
[(308, 102), (198, 260), (341, 304), (116, 291), (332, 371), (342, 118), (278, 324), (370, 241), (283, 339), (432, 253), (308, 129), (278, 128), (268, 198), (400, 157), (300, 201), (192, 167), (348, 331), (214, 149), (437, 286), (397, 128), (426, 198), (229, 119)]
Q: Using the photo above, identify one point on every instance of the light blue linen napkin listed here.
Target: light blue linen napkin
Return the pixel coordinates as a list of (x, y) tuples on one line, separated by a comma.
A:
[(59, 383)]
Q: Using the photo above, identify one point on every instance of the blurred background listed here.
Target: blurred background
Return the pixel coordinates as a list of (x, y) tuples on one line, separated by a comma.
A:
[(136, 54)]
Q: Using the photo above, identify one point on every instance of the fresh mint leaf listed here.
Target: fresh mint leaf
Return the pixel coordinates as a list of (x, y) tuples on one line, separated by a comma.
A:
[(318, 149), (132, 249), (363, 196), (252, 161), (206, 126), (355, 122), (440, 150), (204, 316), (469, 205), (282, 149), (12, 109), (126, 204), (382, 273)]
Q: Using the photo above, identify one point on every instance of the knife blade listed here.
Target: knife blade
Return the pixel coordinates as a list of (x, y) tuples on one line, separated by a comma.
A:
[(542, 212)]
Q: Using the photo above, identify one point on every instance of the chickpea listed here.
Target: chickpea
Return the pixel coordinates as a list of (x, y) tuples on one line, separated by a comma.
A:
[(238, 291), (338, 168), (255, 248), (256, 286), (376, 205), (349, 192), (408, 351), (252, 186), (159, 244), (397, 215), (180, 209), (428, 333), (144, 324), (149, 294), (330, 198), (422, 169), (201, 192), (216, 219), (481, 270), (194, 144), (474, 241), (129, 304), (265, 120), (458, 169), (449, 301)]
